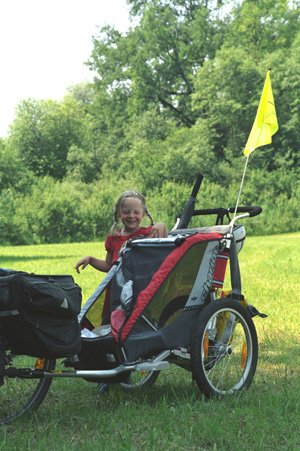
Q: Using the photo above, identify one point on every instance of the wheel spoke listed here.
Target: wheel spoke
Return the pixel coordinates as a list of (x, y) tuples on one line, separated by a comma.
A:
[(229, 348), (18, 395)]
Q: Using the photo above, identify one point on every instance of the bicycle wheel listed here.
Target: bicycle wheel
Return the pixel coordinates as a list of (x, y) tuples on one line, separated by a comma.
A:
[(17, 396), (224, 349), (139, 379)]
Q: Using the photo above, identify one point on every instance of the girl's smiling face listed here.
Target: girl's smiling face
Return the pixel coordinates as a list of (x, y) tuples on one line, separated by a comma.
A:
[(131, 215)]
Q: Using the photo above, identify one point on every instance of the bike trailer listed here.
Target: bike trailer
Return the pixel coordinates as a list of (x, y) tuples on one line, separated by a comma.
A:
[(38, 313), (155, 292)]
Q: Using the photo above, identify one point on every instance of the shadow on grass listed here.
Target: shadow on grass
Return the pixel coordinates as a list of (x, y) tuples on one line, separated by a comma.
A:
[(80, 394)]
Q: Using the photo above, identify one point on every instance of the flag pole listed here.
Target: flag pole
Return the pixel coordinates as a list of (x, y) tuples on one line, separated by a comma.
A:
[(242, 182), (239, 195)]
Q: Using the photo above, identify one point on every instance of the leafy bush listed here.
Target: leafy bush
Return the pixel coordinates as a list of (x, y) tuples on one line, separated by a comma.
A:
[(69, 211)]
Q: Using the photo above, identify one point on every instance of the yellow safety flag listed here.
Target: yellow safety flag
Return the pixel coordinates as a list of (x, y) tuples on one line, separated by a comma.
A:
[(265, 124)]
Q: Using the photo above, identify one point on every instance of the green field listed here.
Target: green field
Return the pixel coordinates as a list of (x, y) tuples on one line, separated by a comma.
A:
[(173, 414)]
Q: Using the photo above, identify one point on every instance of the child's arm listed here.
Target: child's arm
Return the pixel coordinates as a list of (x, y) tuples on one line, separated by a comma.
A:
[(158, 231), (100, 265)]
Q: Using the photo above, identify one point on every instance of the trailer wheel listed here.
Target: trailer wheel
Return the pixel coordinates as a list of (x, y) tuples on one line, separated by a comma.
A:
[(224, 349)]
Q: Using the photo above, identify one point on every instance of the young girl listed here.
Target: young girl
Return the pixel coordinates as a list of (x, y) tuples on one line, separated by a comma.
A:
[(130, 209)]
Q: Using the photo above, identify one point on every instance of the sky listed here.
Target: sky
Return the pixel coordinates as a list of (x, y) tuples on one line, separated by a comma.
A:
[(44, 44)]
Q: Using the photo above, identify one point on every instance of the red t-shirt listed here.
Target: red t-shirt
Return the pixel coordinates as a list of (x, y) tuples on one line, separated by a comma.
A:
[(114, 243)]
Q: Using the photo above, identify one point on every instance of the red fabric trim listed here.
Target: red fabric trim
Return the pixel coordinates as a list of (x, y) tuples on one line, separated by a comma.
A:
[(220, 269), (165, 268), (116, 320)]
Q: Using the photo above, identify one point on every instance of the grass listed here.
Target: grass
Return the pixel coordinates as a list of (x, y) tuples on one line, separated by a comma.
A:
[(173, 414)]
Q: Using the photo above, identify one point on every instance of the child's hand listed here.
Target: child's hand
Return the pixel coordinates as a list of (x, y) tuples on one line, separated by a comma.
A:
[(82, 262), (158, 231)]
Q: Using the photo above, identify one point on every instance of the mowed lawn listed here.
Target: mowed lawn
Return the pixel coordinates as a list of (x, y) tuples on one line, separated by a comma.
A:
[(173, 414)]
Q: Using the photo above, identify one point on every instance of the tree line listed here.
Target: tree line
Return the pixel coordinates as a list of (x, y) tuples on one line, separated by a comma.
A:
[(174, 96)]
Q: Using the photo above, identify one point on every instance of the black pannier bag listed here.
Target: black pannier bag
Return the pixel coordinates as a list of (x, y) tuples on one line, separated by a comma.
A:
[(38, 314)]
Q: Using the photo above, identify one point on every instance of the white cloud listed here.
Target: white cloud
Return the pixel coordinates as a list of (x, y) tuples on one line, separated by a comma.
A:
[(44, 45)]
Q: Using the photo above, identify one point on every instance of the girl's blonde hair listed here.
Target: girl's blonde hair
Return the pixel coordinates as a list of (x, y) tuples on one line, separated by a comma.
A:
[(119, 204)]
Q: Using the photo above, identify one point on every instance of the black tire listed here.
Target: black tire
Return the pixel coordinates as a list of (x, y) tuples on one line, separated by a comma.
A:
[(18, 396), (224, 349), (140, 379)]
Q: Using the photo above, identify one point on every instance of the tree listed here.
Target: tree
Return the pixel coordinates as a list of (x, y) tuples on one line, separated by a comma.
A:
[(228, 89), (260, 26), (43, 132), (13, 173), (154, 65), (286, 81), (225, 91)]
